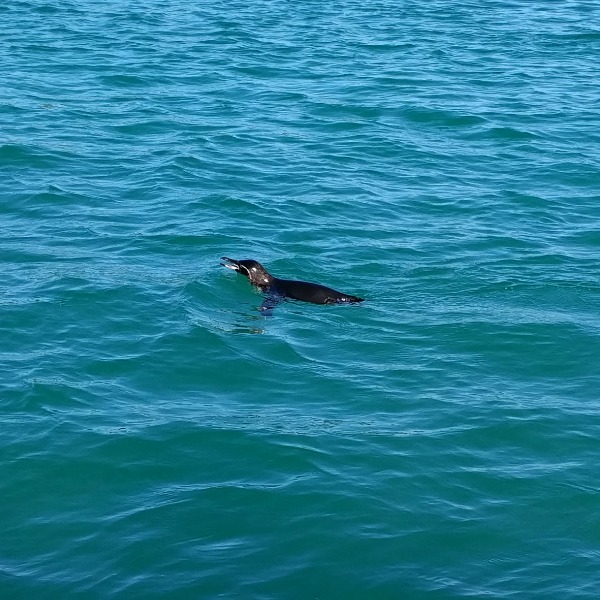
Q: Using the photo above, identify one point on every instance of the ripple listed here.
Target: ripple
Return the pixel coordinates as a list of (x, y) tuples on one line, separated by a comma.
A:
[(162, 436)]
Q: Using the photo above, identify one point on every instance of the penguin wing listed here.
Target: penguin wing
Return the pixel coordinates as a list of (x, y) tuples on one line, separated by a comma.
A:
[(269, 303)]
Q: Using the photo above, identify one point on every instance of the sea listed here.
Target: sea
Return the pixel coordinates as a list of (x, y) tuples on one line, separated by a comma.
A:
[(162, 437)]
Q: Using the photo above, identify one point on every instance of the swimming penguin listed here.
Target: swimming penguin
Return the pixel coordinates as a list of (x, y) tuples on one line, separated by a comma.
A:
[(280, 289)]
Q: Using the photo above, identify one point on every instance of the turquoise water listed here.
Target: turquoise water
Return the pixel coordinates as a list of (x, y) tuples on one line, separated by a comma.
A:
[(163, 438)]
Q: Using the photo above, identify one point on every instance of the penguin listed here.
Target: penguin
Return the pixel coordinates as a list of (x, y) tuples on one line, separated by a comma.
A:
[(282, 289)]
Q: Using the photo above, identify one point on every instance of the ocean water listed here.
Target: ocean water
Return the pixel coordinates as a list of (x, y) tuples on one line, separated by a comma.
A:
[(162, 438)]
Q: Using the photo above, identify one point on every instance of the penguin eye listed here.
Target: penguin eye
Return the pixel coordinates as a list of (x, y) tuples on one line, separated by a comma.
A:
[(254, 269)]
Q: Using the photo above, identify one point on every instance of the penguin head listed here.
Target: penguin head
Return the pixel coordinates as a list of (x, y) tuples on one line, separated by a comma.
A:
[(252, 269)]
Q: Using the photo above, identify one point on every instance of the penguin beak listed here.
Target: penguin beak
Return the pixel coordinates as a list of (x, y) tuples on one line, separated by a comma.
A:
[(233, 263)]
